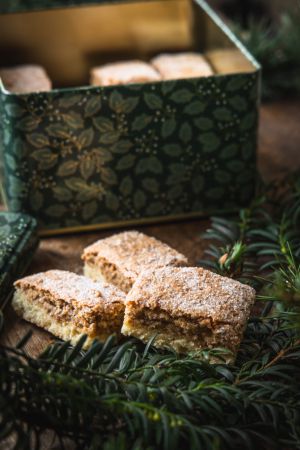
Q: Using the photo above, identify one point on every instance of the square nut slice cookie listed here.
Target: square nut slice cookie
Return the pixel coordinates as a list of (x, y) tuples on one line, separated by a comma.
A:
[(25, 79), (119, 259), (188, 309), (123, 73), (69, 305), (181, 65)]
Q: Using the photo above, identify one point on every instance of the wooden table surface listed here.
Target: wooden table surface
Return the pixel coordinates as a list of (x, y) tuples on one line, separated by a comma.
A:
[(279, 152)]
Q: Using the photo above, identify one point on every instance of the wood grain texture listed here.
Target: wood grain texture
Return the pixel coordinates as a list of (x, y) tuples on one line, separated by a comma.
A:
[(278, 153), (279, 139)]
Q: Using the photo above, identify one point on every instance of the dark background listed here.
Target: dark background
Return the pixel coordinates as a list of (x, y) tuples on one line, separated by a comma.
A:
[(241, 9)]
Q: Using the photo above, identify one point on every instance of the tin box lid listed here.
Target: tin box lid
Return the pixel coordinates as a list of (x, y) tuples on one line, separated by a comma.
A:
[(18, 241)]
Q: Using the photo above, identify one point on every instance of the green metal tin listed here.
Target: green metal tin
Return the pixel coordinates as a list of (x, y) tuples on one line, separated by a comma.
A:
[(18, 241), (91, 157)]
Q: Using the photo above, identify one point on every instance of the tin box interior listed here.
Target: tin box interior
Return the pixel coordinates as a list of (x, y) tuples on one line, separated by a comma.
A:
[(73, 156)]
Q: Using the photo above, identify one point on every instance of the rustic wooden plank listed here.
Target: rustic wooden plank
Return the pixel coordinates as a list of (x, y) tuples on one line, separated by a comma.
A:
[(279, 139)]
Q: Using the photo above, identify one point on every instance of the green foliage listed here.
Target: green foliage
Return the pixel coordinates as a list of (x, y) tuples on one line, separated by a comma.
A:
[(277, 48), (262, 245), (156, 399)]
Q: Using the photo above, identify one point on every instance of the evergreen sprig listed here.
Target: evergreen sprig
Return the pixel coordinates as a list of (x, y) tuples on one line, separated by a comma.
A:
[(261, 246), (277, 48), (131, 396)]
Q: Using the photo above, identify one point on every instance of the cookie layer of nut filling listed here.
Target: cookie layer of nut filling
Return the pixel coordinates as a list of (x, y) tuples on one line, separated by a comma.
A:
[(70, 305), (25, 79), (123, 73), (188, 309), (119, 259), (181, 65)]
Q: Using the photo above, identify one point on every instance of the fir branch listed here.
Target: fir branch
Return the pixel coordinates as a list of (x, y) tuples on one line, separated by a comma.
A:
[(156, 399), (277, 48), (264, 237)]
